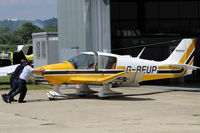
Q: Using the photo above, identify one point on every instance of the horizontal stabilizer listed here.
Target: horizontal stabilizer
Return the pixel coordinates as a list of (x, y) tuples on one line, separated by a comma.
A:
[(185, 66)]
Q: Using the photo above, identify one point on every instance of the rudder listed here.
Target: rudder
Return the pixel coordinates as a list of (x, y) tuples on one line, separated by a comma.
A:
[(183, 53)]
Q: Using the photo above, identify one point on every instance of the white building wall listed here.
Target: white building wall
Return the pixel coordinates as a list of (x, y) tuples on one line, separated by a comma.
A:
[(45, 48)]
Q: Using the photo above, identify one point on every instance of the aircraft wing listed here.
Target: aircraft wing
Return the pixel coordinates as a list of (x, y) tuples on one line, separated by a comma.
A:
[(122, 79), (4, 71)]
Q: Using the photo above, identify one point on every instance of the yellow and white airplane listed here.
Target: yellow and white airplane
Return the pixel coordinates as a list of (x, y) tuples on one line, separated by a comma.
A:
[(97, 68)]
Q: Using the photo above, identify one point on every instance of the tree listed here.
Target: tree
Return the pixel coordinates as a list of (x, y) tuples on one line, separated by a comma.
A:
[(24, 35), (51, 28), (4, 29), (5, 38)]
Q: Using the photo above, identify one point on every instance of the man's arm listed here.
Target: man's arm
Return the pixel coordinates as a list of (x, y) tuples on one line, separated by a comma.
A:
[(35, 71), (38, 70)]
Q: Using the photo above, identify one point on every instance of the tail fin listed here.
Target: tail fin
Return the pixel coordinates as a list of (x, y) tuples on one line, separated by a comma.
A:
[(184, 53)]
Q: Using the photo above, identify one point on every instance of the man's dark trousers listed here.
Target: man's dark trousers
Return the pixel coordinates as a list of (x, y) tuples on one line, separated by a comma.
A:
[(21, 89), (14, 87)]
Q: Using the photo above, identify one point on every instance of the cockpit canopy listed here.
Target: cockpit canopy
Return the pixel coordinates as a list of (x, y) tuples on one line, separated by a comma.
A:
[(89, 61)]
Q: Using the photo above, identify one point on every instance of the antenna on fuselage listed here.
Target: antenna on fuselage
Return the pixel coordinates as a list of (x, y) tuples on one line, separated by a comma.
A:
[(141, 52)]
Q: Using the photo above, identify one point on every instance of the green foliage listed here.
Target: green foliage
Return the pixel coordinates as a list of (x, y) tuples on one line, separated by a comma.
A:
[(13, 25), (24, 35), (4, 29), (20, 32), (196, 115), (9, 26), (51, 28), (5, 38), (5, 79)]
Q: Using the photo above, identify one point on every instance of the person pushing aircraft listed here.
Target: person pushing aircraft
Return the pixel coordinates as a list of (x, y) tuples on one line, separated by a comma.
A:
[(22, 80)]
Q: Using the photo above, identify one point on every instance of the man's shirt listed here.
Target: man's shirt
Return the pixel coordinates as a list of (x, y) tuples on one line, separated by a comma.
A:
[(25, 75)]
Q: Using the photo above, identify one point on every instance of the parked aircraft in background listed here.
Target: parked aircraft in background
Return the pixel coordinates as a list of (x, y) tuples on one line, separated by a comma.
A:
[(10, 60), (4, 71), (97, 68)]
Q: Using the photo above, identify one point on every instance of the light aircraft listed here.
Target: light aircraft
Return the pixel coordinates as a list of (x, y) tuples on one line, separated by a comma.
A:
[(97, 68)]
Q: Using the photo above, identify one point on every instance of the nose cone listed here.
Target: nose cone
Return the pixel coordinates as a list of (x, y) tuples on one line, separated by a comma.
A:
[(59, 66)]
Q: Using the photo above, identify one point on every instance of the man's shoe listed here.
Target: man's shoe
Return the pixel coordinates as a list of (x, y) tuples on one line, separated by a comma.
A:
[(22, 101), (13, 100), (4, 98)]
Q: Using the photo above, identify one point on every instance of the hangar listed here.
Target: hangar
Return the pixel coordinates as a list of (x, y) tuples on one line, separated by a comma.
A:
[(126, 26)]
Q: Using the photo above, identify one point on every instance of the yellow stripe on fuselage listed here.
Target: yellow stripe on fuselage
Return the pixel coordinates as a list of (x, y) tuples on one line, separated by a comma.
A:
[(121, 67), (148, 77), (188, 52)]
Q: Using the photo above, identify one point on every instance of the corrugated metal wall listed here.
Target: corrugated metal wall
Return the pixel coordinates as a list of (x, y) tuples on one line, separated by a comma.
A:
[(101, 36), (83, 25)]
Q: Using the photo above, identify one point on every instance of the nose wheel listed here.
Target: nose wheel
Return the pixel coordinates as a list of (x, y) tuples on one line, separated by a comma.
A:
[(55, 93)]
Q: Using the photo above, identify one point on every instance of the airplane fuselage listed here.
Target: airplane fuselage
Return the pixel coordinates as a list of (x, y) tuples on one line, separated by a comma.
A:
[(153, 70)]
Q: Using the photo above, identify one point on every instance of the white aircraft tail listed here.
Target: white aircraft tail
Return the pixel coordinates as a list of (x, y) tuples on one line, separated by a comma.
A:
[(183, 55)]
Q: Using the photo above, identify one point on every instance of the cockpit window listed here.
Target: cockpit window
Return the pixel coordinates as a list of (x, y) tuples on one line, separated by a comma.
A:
[(107, 62), (87, 61), (82, 61)]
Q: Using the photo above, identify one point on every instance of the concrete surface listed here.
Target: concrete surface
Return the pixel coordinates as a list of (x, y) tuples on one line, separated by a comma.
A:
[(151, 109)]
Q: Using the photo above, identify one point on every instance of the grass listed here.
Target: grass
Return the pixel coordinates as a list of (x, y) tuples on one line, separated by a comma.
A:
[(196, 115), (4, 84), (5, 79)]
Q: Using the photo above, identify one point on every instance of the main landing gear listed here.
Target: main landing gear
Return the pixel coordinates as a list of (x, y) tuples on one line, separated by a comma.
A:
[(107, 92), (83, 90)]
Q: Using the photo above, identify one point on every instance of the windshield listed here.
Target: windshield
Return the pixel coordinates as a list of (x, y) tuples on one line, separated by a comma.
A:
[(87, 61)]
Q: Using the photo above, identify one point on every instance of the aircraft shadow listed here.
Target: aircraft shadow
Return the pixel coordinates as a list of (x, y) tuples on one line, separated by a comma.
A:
[(36, 100), (125, 97), (185, 90), (119, 98), (93, 97), (131, 96)]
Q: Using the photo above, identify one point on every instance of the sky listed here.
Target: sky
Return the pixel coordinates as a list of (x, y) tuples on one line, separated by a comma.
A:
[(28, 9)]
